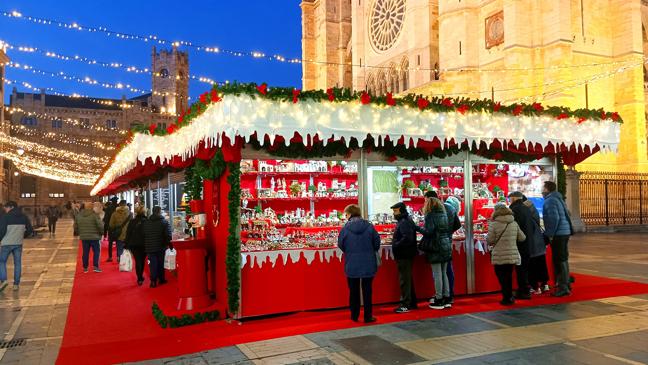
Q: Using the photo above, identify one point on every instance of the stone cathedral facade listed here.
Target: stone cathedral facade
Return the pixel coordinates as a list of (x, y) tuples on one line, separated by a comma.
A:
[(576, 53)]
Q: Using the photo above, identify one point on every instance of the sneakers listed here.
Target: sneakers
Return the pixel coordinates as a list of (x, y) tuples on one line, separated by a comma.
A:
[(447, 302), (545, 288), (401, 309), (536, 291), (437, 303), (16, 287), (85, 270), (508, 302), (96, 269), (3, 285)]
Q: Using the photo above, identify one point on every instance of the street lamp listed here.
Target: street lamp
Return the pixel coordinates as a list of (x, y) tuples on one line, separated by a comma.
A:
[(16, 173), (20, 151)]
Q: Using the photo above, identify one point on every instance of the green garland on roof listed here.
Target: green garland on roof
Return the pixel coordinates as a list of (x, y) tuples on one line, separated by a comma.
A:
[(421, 102)]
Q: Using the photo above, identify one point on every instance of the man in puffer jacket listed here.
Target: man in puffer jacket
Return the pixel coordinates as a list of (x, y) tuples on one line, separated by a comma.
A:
[(404, 249), (502, 238), (118, 227), (157, 237), (14, 226), (558, 228)]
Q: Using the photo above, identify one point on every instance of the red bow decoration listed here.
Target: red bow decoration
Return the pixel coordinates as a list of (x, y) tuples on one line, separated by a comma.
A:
[(616, 116), (330, 94), (365, 98), (295, 95), (422, 103), (447, 102), (390, 99), (518, 110), (603, 115), (203, 98), (538, 107), (497, 107), (562, 116), (152, 128), (580, 120), (214, 96), (172, 128), (263, 88), (463, 108)]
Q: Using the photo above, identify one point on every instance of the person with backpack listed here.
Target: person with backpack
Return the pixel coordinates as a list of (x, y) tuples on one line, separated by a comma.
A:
[(558, 228), (90, 228), (404, 250), (135, 241), (117, 228), (438, 250), (14, 227), (157, 237), (503, 236), (452, 206)]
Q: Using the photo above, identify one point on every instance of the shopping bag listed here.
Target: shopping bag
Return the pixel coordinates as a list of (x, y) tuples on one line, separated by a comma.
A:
[(170, 259), (126, 261)]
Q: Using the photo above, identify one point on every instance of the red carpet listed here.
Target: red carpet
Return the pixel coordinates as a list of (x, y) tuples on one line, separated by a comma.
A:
[(109, 317)]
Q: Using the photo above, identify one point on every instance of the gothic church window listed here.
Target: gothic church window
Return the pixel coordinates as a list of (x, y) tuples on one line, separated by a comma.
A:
[(386, 23)]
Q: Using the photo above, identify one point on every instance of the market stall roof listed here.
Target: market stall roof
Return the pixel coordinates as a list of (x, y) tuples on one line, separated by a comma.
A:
[(248, 111)]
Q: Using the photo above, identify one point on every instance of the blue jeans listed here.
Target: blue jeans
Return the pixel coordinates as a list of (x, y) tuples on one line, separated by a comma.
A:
[(450, 274), (156, 267), (16, 251), (87, 244)]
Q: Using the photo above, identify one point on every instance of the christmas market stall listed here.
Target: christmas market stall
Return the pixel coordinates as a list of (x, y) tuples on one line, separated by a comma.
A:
[(268, 172)]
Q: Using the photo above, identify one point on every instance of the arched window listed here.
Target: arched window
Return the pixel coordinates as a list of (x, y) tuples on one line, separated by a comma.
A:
[(404, 74), (370, 84)]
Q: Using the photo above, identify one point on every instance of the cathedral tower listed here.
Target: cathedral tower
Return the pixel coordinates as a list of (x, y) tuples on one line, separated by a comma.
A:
[(170, 80)]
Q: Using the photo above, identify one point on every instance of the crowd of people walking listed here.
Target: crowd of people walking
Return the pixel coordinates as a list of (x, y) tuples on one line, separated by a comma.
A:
[(517, 241)]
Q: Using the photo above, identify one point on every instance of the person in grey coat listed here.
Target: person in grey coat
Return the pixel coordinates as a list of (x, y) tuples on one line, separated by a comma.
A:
[(558, 228), (502, 238), (14, 226), (359, 241)]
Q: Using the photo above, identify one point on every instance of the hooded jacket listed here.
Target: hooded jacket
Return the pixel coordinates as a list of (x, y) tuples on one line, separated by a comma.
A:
[(503, 235), (120, 218), (13, 227), (404, 239), (88, 225), (359, 241), (554, 214), (436, 229), (157, 234), (537, 246)]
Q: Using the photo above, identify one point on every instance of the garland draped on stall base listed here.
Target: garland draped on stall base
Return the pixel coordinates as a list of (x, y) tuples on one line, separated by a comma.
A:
[(186, 320)]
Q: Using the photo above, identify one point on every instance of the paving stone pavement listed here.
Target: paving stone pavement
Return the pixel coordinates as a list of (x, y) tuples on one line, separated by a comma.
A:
[(37, 311), (606, 331)]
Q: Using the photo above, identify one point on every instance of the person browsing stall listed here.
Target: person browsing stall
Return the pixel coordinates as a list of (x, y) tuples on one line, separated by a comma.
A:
[(404, 250)]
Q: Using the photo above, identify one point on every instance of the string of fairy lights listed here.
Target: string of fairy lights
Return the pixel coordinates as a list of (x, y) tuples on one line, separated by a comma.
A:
[(61, 137)]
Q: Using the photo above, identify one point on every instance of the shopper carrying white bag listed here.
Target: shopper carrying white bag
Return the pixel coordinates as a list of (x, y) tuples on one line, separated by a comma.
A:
[(126, 261), (170, 259)]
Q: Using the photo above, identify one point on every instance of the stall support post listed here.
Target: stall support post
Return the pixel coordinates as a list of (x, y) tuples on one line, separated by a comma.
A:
[(171, 207), (468, 224), (572, 200), (363, 193), (149, 198)]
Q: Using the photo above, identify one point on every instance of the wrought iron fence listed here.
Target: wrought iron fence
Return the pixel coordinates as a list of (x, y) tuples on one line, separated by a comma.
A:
[(613, 198)]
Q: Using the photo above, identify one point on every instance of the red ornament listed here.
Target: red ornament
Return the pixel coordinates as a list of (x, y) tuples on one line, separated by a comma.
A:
[(214, 96), (392, 158), (422, 103), (538, 107), (263, 88), (581, 120), (295, 95), (463, 108), (390, 99), (152, 128), (497, 107), (172, 128), (603, 115), (365, 98), (181, 119), (203, 98), (518, 110), (562, 116), (331, 95), (616, 116), (447, 102)]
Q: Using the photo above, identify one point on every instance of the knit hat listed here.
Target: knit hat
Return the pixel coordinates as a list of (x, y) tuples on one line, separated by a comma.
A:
[(454, 203)]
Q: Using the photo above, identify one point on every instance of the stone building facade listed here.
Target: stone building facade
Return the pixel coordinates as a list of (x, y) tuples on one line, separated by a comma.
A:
[(557, 52), (40, 113)]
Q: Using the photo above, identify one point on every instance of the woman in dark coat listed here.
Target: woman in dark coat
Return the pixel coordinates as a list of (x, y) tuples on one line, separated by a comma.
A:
[(360, 242), (135, 242), (438, 250)]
